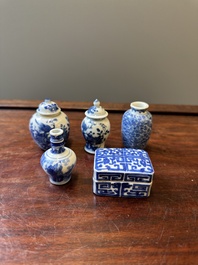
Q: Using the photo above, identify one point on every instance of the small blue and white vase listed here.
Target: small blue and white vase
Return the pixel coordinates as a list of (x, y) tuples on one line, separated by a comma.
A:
[(95, 127), (136, 125), (58, 161), (48, 116)]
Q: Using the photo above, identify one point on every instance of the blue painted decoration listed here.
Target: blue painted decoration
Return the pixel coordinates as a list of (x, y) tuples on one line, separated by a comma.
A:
[(136, 126), (122, 172), (95, 127), (47, 117), (58, 161)]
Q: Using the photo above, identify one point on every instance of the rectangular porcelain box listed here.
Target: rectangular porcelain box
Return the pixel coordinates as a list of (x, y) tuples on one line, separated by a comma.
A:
[(122, 172)]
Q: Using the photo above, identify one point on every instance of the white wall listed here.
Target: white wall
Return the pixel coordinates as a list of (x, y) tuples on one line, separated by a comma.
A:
[(113, 50)]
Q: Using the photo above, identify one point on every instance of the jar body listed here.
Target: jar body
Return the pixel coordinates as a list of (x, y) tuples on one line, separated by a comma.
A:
[(136, 128), (40, 126), (95, 133), (58, 161)]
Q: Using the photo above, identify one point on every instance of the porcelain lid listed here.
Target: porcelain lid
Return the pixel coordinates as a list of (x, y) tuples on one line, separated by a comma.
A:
[(96, 111), (136, 162), (48, 107)]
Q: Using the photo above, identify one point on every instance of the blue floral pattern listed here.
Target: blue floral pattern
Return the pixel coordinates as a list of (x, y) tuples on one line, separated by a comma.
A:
[(58, 161), (136, 128), (95, 133), (58, 170), (40, 128), (52, 106)]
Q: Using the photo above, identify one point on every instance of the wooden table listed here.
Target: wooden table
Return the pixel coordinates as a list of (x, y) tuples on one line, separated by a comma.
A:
[(41, 223)]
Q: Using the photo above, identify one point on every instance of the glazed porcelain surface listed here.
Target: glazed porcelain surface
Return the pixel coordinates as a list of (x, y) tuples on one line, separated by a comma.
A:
[(136, 126), (48, 116), (58, 161), (95, 127), (122, 172)]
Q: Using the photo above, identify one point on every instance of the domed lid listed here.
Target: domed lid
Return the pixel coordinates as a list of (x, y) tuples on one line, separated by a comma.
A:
[(48, 107), (96, 111)]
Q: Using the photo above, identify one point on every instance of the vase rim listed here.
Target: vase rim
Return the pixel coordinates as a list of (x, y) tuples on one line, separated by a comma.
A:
[(56, 132), (139, 105)]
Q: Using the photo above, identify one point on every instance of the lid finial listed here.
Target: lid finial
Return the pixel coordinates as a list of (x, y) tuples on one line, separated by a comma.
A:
[(96, 111), (96, 103)]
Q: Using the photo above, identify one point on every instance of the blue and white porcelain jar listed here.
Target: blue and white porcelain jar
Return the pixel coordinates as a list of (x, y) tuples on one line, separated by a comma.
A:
[(58, 161), (95, 127), (136, 125), (48, 116)]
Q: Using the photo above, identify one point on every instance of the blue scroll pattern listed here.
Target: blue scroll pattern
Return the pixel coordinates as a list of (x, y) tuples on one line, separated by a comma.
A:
[(123, 160), (124, 189), (122, 172)]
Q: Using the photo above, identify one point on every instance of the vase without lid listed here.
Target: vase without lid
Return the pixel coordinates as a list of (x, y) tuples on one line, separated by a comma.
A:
[(58, 161), (136, 125)]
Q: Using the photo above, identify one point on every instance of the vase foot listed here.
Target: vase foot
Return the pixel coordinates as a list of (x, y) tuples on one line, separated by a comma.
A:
[(92, 148), (60, 182), (88, 150)]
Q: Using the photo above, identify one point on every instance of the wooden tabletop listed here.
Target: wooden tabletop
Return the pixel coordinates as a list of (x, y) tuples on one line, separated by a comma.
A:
[(41, 223)]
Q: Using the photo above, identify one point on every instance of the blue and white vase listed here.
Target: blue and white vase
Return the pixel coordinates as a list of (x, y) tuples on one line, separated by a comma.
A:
[(136, 125), (95, 127), (48, 116), (58, 161)]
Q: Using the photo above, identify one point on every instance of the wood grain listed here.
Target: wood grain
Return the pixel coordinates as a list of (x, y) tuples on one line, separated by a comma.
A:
[(46, 224)]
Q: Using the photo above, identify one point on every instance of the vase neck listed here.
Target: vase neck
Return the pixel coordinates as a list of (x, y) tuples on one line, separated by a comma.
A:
[(138, 110), (57, 141), (57, 148)]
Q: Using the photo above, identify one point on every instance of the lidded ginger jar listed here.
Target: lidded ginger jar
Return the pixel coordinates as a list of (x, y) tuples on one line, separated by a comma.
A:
[(95, 127), (48, 116)]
